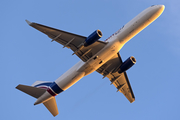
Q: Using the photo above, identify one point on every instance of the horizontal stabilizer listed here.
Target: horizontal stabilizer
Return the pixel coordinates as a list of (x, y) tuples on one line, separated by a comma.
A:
[(28, 22), (52, 106), (32, 91)]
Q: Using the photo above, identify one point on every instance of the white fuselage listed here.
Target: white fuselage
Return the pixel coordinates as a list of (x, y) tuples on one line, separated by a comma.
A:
[(115, 43)]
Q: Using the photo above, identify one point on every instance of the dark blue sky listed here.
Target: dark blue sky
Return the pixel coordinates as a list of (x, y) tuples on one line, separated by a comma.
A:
[(27, 55)]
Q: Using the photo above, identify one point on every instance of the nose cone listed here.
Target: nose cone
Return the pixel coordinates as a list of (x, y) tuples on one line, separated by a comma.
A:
[(156, 11), (161, 7)]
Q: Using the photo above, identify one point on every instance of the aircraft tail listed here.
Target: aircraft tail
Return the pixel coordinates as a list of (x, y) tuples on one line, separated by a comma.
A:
[(32, 91), (38, 89)]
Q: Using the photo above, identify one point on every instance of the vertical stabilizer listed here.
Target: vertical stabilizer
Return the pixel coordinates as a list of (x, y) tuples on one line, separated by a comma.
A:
[(52, 106)]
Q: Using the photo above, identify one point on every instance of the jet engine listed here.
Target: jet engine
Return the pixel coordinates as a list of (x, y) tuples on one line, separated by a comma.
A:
[(127, 64), (93, 37)]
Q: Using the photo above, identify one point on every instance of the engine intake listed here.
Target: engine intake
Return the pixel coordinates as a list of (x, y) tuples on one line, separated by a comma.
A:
[(127, 64), (93, 37)]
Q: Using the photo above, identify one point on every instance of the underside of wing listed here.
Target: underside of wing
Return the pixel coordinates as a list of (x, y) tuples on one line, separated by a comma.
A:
[(52, 106), (119, 80), (70, 40)]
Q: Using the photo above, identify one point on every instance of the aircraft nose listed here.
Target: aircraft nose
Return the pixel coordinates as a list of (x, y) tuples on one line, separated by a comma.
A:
[(161, 7), (158, 9)]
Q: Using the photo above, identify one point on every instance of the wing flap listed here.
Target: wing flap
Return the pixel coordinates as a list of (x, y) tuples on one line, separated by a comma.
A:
[(70, 40), (123, 85), (120, 81), (87, 52)]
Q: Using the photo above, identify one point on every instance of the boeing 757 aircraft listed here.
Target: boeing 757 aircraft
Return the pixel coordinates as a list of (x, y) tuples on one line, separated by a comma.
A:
[(100, 56)]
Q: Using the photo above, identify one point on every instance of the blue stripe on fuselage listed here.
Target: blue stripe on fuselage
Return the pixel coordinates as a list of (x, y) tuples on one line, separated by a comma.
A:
[(56, 88), (46, 84)]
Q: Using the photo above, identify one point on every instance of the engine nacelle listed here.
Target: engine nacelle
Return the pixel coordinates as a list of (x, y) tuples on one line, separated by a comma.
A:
[(93, 37), (127, 64)]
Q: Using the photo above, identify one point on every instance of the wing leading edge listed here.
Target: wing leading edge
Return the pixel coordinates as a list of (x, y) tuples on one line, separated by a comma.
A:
[(70, 40), (120, 81)]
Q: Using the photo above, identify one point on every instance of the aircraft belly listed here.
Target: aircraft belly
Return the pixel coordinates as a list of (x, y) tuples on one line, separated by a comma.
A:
[(116, 42), (101, 57), (70, 80), (82, 69), (70, 77)]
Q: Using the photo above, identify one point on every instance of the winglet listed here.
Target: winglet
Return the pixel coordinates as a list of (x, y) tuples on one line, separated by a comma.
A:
[(28, 22)]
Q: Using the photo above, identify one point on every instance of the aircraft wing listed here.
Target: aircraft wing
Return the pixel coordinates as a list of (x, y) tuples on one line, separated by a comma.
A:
[(120, 81), (70, 40)]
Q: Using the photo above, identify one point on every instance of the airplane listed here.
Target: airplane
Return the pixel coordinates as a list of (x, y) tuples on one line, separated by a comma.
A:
[(96, 55)]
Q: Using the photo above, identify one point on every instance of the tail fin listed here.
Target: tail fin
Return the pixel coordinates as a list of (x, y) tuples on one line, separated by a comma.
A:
[(38, 89)]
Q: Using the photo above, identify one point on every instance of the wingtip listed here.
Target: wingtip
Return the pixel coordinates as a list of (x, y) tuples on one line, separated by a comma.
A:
[(55, 114), (132, 100), (17, 87), (28, 22)]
